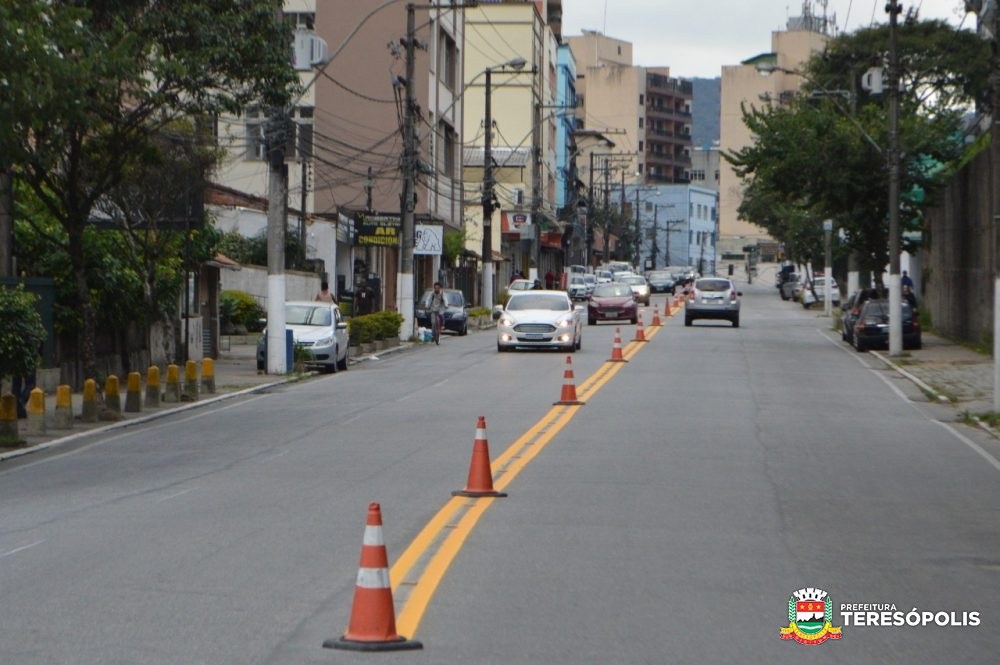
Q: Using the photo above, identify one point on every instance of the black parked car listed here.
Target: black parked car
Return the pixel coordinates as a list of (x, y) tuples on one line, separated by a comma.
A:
[(661, 281), (871, 329), (850, 309), (456, 314)]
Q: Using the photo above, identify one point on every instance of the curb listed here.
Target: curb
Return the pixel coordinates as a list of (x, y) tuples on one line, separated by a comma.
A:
[(938, 396), (122, 424), (920, 384)]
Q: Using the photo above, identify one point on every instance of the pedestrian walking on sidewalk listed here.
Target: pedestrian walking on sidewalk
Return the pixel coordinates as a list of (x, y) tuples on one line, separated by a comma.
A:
[(324, 294)]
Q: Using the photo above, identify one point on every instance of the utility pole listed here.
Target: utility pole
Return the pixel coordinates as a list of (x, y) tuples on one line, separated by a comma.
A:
[(654, 251), (277, 214), (828, 264), (995, 204), (536, 185), (488, 195), (404, 283), (895, 297), (638, 227), (302, 208)]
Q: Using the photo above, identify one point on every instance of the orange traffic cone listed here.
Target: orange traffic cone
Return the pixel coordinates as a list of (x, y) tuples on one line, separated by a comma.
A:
[(656, 317), (667, 309), (640, 332), (616, 348), (569, 388), (480, 481), (373, 617)]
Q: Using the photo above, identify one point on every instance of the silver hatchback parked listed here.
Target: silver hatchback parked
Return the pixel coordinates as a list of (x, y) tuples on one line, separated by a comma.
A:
[(713, 298)]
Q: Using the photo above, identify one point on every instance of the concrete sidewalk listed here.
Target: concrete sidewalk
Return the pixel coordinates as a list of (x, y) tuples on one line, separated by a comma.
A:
[(235, 374), (949, 372)]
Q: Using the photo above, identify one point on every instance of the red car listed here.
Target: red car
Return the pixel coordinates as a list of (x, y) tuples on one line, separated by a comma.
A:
[(612, 302)]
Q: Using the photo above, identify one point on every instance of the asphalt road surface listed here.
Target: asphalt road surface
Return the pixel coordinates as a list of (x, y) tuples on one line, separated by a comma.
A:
[(669, 519)]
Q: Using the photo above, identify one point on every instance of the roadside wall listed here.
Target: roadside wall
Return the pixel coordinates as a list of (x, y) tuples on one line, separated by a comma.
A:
[(253, 280), (958, 257)]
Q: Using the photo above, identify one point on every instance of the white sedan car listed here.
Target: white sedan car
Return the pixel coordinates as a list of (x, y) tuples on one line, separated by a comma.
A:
[(539, 319)]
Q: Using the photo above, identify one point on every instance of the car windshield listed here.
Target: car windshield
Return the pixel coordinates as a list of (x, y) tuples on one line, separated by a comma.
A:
[(549, 301), (612, 291), (589, 279), (306, 315), (712, 285), (635, 280), (520, 285), (880, 308), (659, 275), (451, 298)]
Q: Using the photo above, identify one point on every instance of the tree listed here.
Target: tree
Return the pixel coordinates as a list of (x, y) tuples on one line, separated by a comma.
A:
[(22, 333), (819, 157), (89, 86)]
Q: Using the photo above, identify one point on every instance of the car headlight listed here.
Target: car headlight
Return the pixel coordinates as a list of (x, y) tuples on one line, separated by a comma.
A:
[(565, 323), (506, 321), (326, 341)]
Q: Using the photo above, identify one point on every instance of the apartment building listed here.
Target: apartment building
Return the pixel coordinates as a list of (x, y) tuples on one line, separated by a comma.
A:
[(518, 43), (746, 84), (647, 111)]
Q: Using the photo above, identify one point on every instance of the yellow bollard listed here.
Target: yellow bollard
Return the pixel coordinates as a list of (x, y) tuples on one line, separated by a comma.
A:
[(190, 381), (112, 397), (89, 412), (208, 376), (153, 387), (8, 421), (133, 393), (36, 412), (64, 408), (173, 391)]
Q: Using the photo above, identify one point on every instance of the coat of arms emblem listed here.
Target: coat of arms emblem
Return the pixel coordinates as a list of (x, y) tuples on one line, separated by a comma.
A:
[(810, 617)]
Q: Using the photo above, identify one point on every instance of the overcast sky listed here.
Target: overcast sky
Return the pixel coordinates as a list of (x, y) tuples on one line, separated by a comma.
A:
[(695, 39)]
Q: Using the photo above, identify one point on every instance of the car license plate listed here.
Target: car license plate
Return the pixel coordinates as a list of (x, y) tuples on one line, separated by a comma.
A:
[(611, 312), (533, 336)]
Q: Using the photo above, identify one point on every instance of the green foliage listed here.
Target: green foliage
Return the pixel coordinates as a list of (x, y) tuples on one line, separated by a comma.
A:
[(361, 329), (371, 327), (241, 309), (253, 251), (480, 311), (821, 155), (89, 88), (454, 243), (21, 334), (387, 324)]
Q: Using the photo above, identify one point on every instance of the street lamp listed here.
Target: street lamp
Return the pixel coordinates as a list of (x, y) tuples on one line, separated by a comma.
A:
[(511, 66)]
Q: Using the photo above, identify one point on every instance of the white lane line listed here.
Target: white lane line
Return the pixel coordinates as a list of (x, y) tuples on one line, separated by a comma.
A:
[(994, 462), (21, 549), (174, 495)]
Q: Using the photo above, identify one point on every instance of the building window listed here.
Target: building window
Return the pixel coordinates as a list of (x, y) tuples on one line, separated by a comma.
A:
[(301, 20), (642, 99), (640, 146), (641, 120), (640, 169), (447, 60), (447, 150), (254, 133)]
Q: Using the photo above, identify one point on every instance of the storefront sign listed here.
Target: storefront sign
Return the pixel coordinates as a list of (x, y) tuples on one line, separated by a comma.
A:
[(378, 230)]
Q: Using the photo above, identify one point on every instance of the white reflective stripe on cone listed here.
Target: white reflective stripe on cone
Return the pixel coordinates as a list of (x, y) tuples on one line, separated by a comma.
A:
[(373, 536), (373, 578)]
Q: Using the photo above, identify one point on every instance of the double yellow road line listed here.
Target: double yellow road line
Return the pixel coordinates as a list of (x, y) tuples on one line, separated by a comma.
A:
[(430, 554)]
